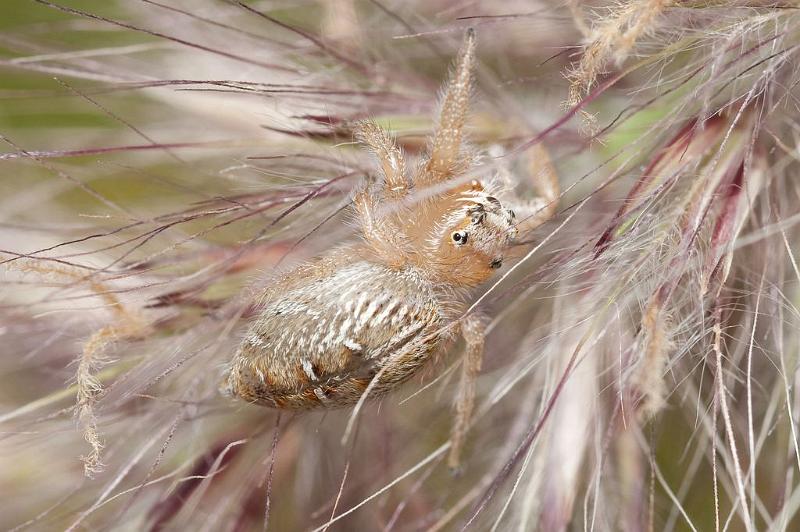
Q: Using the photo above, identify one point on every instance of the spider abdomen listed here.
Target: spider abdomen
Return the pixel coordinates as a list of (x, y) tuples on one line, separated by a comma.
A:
[(322, 339)]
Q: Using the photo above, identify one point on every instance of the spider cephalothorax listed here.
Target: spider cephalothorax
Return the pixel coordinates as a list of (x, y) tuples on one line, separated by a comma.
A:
[(472, 238), (364, 318)]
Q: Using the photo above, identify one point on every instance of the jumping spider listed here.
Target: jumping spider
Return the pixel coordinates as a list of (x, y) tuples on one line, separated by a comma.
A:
[(366, 317)]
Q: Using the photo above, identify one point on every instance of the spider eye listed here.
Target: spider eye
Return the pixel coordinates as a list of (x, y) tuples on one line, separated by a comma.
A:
[(460, 237)]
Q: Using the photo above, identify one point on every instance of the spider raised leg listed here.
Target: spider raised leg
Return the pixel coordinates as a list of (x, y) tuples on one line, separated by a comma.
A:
[(446, 158)]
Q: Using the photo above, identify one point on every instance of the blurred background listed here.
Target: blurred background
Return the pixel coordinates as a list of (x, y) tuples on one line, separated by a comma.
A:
[(160, 160)]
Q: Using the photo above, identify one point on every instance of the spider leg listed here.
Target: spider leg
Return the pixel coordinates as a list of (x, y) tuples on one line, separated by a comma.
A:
[(532, 213), (389, 155), (380, 232), (446, 158), (473, 330), (380, 224)]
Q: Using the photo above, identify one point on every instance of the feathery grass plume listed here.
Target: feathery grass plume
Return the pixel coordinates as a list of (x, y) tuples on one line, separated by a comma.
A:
[(89, 386), (611, 38), (655, 347), (93, 356), (191, 150)]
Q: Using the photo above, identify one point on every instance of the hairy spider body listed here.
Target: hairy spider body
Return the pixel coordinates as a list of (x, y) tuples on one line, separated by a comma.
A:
[(366, 317), (333, 326)]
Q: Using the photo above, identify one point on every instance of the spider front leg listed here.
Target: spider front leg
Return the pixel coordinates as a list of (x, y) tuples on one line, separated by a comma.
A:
[(383, 236), (389, 155), (532, 213), (381, 227), (473, 330), (446, 159)]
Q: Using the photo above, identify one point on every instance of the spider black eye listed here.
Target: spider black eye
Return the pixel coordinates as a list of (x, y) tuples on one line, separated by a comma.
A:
[(477, 213), (496, 263), (460, 237)]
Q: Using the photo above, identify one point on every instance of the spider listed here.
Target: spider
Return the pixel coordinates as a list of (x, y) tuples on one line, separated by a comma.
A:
[(364, 318)]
